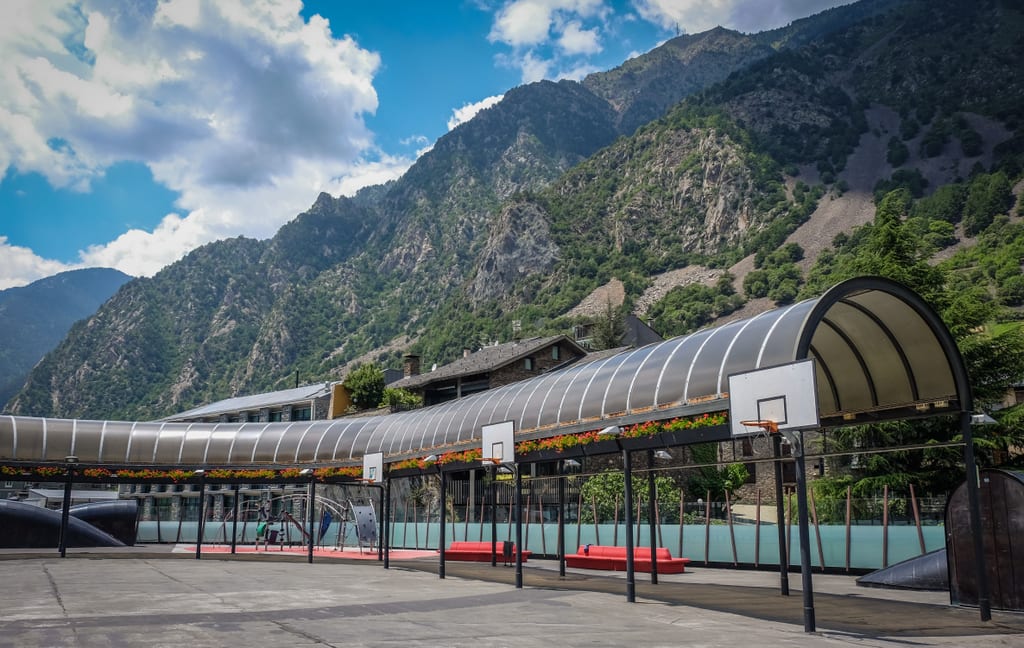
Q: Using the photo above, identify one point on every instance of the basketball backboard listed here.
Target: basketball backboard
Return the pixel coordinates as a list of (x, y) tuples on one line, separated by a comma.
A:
[(785, 394), (498, 443), (373, 467)]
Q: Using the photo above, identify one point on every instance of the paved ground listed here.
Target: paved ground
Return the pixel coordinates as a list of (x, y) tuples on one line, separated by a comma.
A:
[(152, 597)]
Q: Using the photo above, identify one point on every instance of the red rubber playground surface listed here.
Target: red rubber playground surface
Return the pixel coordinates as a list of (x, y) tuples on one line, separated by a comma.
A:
[(349, 553)]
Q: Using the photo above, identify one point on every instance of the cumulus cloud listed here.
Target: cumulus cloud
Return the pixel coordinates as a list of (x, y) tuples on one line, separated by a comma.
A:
[(546, 35), (694, 16), (241, 106), (20, 266), (468, 111)]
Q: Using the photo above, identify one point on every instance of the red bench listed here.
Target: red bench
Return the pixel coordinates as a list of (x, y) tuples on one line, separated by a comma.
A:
[(478, 551), (614, 559)]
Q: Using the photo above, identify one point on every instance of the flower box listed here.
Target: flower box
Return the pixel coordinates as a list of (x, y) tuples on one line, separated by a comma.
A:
[(600, 448)]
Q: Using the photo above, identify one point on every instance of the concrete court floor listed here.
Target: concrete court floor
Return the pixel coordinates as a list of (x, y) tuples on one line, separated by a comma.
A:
[(164, 599)]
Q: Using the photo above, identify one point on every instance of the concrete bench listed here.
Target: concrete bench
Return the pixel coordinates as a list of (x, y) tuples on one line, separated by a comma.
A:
[(478, 551), (614, 559)]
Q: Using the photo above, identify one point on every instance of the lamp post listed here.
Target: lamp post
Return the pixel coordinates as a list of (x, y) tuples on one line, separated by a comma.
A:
[(202, 509), (441, 517), (308, 473), (234, 519), (627, 469), (564, 467), (652, 507), (65, 512)]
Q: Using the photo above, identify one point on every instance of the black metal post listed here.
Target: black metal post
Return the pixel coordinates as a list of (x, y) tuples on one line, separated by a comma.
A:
[(312, 517), (780, 513), (494, 516), (627, 469), (652, 502), (381, 523), (202, 510), (805, 536), (441, 542), (974, 511), (234, 520), (519, 526), (561, 520), (386, 494), (65, 510)]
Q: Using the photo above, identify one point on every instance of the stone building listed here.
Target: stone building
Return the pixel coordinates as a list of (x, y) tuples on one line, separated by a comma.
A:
[(490, 367)]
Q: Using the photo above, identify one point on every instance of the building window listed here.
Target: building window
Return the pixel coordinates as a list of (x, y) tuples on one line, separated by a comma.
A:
[(275, 416), (302, 414), (556, 352), (528, 364), (748, 447)]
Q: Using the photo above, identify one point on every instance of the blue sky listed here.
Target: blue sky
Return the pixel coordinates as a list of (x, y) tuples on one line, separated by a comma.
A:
[(132, 131)]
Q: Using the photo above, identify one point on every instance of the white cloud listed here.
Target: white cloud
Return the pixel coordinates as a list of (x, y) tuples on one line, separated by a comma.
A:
[(240, 106), (20, 266), (546, 35), (693, 16), (468, 111), (576, 40)]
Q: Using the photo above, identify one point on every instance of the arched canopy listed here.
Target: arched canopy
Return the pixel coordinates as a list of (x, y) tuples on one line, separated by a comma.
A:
[(881, 353)]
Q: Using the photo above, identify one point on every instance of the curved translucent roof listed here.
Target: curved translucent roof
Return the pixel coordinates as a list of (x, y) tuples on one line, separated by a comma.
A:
[(880, 352)]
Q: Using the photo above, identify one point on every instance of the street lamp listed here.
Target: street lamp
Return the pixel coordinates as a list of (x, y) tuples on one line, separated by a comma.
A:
[(564, 467), (308, 474), (65, 512), (441, 516), (627, 469), (202, 507)]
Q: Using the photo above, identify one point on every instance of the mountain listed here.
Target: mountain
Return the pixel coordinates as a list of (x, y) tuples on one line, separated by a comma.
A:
[(34, 318), (765, 148)]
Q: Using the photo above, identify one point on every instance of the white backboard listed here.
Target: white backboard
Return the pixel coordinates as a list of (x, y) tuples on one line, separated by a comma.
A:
[(498, 443), (373, 467), (786, 394)]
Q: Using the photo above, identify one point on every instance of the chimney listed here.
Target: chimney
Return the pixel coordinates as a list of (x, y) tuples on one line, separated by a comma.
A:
[(465, 353), (410, 365)]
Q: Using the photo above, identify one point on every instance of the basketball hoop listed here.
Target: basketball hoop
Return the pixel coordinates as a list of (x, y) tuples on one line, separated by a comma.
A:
[(493, 460), (771, 427), (767, 427)]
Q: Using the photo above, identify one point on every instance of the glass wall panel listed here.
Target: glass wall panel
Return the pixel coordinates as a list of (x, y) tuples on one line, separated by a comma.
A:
[(549, 406), (415, 424), (702, 377), (193, 448), (244, 444), (338, 442), (592, 402), (143, 442), (114, 441), (746, 346), (671, 385), (311, 436), (87, 438), (850, 381), (266, 444), (288, 445), (167, 447), (616, 394), (779, 346), (883, 359)]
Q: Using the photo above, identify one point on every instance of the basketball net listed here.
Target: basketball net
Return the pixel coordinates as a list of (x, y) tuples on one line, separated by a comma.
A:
[(763, 428)]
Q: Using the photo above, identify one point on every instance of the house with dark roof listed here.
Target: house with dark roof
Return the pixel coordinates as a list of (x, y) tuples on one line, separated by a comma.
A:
[(490, 367)]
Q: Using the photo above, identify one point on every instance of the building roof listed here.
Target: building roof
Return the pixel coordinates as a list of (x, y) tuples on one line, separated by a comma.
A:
[(486, 359), (255, 402)]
